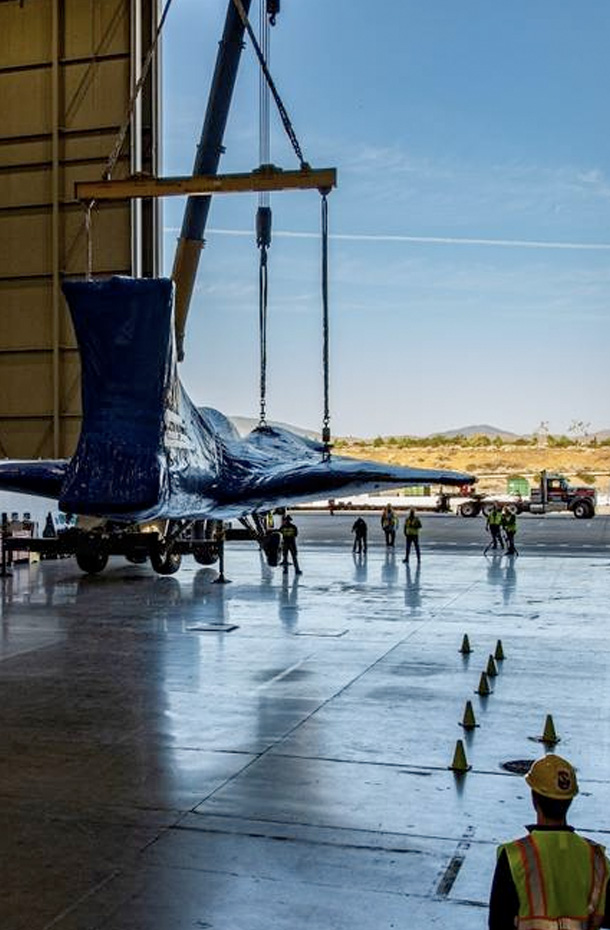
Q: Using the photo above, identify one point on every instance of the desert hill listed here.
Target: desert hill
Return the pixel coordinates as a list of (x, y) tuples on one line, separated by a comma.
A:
[(490, 453)]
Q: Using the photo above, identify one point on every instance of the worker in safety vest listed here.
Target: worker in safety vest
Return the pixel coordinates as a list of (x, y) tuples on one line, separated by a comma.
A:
[(289, 544), (509, 525), (389, 523), (494, 526), (552, 878), (412, 528)]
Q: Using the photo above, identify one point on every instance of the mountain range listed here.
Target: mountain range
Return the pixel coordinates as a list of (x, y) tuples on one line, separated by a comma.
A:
[(244, 425)]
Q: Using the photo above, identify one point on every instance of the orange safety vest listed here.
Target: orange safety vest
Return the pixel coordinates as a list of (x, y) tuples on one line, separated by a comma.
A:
[(561, 880)]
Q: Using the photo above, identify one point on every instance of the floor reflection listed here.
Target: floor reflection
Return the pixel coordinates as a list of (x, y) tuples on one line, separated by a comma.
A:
[(288, 606), (389, 568), (413, 589), (502, 573), (360, 566)]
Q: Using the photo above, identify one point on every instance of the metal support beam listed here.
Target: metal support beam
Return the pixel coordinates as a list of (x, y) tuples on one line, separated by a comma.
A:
[(268, 178), (55, 221)]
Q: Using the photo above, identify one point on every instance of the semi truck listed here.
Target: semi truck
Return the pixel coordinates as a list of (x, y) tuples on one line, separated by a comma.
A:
[(554, 494)]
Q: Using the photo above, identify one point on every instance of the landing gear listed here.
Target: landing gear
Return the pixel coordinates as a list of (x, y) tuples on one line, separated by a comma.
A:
[(164, 559), (206, 530), (271, 544)]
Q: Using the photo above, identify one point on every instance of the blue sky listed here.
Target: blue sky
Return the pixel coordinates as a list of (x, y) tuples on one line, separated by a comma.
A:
[(470, 258)]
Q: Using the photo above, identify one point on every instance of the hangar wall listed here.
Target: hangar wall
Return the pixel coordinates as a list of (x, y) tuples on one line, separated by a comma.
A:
[(67, 69)]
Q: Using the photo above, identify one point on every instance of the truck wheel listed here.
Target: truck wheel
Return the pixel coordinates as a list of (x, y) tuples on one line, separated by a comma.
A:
[(582, 510), (469, 509), (91, 559), (165, 561)]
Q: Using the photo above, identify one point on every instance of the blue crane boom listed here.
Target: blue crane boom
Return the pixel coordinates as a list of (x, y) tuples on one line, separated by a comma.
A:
[(207, 158)]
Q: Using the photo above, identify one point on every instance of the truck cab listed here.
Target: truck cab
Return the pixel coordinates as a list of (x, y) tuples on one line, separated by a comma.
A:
[(556, 494)]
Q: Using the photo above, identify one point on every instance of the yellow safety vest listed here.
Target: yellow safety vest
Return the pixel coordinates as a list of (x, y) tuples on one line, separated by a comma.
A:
[(495, 518), (560, 878)]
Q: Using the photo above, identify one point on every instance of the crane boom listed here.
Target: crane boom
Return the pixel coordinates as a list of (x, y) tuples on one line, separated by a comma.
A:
[(207, 158)]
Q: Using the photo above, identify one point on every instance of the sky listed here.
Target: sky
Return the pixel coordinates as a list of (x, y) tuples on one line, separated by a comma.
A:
[(470, 239)]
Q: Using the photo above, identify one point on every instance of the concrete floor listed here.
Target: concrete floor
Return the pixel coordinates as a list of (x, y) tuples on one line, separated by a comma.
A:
[(274, 753)]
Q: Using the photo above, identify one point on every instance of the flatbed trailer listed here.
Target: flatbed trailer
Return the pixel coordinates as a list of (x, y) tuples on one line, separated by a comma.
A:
[(554, 494), (93, 548)]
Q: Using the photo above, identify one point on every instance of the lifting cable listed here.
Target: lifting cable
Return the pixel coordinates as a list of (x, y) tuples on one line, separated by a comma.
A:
[(264, 240), (268, 12), (120, 139), (325, 331), (278, 100)]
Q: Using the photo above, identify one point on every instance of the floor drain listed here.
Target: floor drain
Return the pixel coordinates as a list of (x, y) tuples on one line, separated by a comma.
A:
[(518, 766)]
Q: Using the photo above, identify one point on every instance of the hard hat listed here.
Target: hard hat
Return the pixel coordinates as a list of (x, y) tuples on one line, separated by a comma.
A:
[(553, 777)]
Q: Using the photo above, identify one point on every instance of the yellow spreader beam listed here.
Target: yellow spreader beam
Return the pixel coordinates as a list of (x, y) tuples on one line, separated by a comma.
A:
[(267, 178)]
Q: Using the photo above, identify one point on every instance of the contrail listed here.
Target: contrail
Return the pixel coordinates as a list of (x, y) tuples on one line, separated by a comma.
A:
[(424, 240)]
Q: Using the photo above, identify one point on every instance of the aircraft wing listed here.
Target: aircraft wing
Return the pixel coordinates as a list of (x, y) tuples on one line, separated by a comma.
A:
[(40, 477), (146, 452), (273, 467)]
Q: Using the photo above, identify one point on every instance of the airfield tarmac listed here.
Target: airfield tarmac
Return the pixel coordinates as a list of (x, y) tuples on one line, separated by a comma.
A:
[(273, 753)]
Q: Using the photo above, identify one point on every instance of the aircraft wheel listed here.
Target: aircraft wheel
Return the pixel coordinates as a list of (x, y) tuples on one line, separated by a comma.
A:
[(206, 555), (271, 545), (91, 558), (165, 561)]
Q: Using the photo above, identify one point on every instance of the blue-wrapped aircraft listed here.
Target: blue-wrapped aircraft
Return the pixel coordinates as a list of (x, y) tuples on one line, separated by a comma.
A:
[(148, 459)]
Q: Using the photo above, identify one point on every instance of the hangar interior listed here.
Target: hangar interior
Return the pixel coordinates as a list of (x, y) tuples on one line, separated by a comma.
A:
[(68, 70)]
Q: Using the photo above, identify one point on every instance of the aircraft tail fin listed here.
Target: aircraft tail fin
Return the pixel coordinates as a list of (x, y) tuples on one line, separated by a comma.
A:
[(124, 329)]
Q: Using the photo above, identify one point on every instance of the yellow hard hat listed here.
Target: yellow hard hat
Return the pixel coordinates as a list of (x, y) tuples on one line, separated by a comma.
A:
[(553, 777)]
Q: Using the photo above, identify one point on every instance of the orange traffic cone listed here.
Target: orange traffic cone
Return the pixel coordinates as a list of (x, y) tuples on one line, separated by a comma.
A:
[(459, 764), (465, 647), (468, 720), (499, 653), (549, 735), (483, 688), (492, 669)]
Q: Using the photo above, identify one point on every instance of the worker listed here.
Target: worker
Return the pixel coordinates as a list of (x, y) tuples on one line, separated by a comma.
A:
[(389, 524), (360, 531), (411, 529), (494, 526), (49, 527), (509, 525), (289, 544), (552, 877)]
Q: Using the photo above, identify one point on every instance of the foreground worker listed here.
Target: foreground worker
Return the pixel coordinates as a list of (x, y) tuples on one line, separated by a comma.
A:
[(552, 878), (289, 544)]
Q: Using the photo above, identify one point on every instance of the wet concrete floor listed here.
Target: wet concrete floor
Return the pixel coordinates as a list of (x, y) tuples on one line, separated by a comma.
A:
[(274, 752)]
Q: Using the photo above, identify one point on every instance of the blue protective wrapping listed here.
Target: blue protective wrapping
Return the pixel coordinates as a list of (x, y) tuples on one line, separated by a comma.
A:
[(145, 451)]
